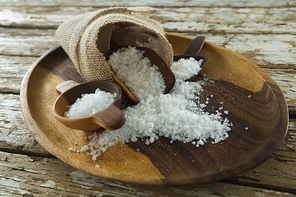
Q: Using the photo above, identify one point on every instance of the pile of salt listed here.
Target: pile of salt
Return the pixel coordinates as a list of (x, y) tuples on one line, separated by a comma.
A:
[(177, 115), (90, 104), (136, 71)]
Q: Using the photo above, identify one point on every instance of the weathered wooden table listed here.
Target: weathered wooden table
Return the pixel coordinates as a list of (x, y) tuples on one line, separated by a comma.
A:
[(262, 31)]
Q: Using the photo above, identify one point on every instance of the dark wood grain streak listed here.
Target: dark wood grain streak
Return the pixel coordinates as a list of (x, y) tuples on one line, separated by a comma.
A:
[(183, 158), (64, 69)]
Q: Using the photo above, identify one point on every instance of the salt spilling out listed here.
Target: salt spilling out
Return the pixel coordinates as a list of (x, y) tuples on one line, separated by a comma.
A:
[(136, 71), (178, 115), (90, 104)]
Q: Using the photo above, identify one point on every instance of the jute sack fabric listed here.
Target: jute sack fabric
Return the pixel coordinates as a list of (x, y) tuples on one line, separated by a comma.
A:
[(85, 38)]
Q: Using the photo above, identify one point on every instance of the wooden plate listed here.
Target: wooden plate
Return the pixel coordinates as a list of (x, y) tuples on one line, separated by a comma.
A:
[(255, 103)]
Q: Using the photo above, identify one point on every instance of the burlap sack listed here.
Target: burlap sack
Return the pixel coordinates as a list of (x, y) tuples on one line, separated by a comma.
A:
[(86, 37)]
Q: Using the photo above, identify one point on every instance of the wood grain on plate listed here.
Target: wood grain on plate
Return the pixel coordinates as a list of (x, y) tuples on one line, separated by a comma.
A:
[(255, 103)]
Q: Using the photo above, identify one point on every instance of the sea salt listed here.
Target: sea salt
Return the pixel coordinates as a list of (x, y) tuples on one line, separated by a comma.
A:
[(101, 141), (186, 68), (178, 115), (90, 104), (71, 149), (136, 71)]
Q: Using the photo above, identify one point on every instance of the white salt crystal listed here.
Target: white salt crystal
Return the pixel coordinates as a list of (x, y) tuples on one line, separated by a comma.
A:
[(186, 68), (90, 104), (71, 149), (101, 142), (97, 166), (136, 72), (84, 148)]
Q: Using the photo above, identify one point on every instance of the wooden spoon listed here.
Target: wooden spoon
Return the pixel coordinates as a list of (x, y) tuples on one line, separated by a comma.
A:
[(110, 118), (193, 50), (168, 75)]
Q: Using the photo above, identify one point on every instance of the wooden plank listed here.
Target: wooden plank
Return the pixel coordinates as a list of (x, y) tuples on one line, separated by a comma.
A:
[(25, 43), (14, 135), (286, 80), (163, 3), (192, 19), (265, 50), (22, 175), (12, 71), (13, 128), (227, 20)]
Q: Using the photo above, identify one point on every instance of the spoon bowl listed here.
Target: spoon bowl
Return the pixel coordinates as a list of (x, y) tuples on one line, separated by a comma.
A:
[(110, 118), (193, 50)]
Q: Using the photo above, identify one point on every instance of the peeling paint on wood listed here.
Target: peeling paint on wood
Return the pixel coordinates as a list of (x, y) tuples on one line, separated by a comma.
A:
[(189, 19), (163, 3)]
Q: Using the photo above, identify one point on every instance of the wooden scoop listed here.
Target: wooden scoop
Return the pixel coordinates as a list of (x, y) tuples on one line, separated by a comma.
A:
[(168, 75), (110, 118), (193, 50)]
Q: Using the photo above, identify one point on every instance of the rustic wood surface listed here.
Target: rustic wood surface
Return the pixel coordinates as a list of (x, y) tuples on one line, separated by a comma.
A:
[(262, 31)]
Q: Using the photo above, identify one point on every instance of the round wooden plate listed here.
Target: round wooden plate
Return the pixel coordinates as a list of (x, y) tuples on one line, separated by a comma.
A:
[(255, 103)]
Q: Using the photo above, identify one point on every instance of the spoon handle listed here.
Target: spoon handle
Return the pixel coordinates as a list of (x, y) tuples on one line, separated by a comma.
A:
[(111, 118), (124, 87), (195, 46), (63, 87)]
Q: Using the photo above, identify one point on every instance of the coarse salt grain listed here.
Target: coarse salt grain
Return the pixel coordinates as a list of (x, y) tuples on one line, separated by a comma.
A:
[(71, 149), (136, 72), (90, 104), (101, 141), (186, 68), (178, 115)]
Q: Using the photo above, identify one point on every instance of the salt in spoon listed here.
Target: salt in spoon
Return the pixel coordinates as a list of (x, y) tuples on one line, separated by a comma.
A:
[(193, 50), (110, 118), (155, 59)]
